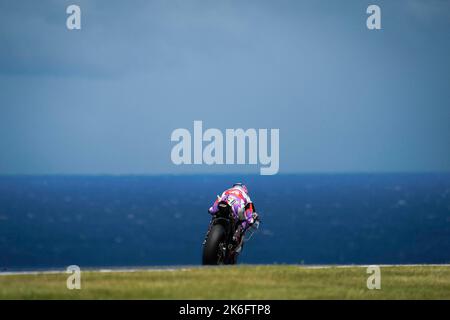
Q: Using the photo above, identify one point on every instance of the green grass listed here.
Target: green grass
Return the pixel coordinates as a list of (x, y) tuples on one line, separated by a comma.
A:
[(236, 282)]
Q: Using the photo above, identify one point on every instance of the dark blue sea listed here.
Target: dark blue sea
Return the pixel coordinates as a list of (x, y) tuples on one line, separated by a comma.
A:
[(112, 221)]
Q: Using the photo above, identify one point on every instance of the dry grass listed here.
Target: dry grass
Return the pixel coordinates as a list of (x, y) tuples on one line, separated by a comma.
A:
[(237, 282)]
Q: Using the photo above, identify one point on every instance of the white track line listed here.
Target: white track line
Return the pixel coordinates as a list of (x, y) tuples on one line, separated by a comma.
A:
[(12, 273), (172, 269)]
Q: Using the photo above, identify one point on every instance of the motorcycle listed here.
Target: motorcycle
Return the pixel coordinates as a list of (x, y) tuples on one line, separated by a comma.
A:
[(220, 245)]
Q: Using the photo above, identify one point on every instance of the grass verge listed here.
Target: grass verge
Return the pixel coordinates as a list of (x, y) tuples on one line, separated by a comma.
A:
[(236, 282)]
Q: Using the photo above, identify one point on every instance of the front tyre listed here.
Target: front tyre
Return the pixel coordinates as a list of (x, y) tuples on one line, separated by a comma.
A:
[(212, 254)]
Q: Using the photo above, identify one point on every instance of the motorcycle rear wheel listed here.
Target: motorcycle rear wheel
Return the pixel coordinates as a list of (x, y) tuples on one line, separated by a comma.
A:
[(212, 254)]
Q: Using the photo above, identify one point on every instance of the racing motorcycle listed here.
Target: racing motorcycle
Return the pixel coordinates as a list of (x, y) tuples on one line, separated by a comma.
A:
[(220, 245)]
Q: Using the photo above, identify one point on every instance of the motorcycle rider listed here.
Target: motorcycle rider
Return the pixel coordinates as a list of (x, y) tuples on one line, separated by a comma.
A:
[(242, 206)]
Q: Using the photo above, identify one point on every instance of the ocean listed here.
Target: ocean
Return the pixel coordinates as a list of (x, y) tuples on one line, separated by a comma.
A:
[(50, 222)]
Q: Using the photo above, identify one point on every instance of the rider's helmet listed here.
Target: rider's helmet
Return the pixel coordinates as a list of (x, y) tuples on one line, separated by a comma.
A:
[(242, 186)]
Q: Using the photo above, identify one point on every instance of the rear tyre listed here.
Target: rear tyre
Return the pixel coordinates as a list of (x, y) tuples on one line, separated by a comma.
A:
[(212, 254)]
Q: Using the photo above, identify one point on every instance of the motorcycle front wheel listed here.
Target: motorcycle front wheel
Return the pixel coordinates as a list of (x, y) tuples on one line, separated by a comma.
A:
[(212, 251)]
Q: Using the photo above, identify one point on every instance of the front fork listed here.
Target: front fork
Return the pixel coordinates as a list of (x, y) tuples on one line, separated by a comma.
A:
[(211, 223), (236, 236), (237, 240)]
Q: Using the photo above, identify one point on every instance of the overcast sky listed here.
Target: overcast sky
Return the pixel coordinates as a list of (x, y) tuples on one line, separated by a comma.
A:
[(106, 98)]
